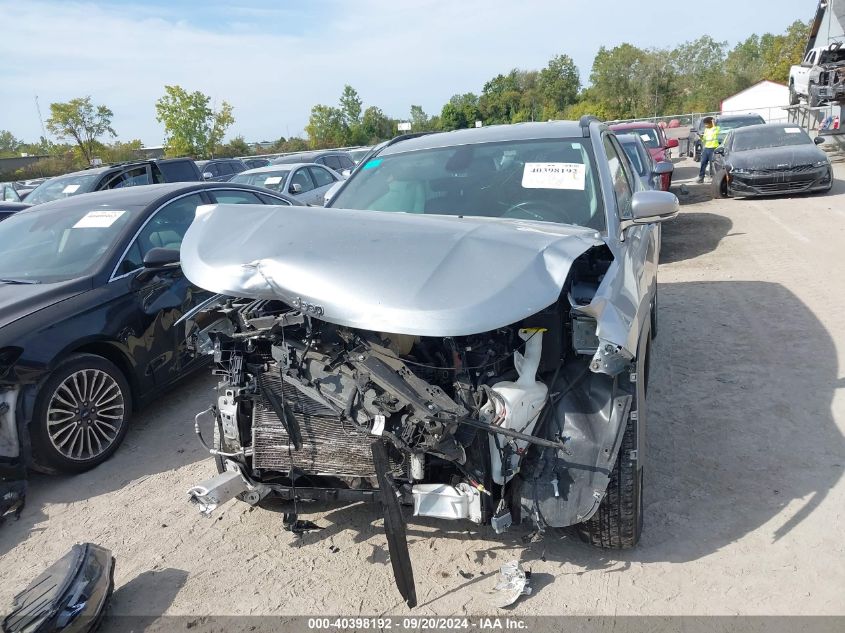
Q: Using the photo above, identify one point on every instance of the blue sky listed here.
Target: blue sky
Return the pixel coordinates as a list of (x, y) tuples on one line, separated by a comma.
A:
[(274, 60)]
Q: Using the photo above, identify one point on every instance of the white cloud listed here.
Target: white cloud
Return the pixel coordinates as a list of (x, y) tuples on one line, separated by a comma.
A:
[(272, 64)]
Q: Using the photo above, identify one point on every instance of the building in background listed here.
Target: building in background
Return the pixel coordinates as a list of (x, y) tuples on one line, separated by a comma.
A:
[(767, 98)]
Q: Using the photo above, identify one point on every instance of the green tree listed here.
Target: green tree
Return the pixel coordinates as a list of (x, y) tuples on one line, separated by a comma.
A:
[(236, 147), (460, 112), (744, 65), (420, 121), (615, 80), (782, 51), (191, 126), (81, 121), (559, 83), (501, 98), (119, 152), (376, 126), (326, 127), (699, 68), (350, 105), (9, 145)]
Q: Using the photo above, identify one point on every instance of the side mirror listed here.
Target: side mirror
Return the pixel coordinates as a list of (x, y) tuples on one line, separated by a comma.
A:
[(345, 173), (653, 206), (672, 142), (818, 140), (720, 150), (207, 175), (161, 257), (663, 167), (295, 188)]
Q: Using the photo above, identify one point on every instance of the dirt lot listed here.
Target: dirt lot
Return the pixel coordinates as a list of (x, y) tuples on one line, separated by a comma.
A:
[(745, 496)]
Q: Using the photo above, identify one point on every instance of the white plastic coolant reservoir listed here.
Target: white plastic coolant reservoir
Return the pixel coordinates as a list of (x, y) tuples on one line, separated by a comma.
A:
[(522, 401)]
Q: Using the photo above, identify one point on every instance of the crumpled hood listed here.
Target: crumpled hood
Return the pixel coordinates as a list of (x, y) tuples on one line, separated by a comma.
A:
[(403, 273)]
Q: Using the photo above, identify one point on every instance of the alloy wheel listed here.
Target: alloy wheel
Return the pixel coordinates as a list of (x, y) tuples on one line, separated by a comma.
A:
[(85, 414)]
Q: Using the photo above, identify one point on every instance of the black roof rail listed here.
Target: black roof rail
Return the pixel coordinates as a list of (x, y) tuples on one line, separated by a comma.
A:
[(585, 121), (405, 137)]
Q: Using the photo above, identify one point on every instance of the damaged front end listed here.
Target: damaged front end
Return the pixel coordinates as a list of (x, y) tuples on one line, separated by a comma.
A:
[(447, 407), (511, 424)]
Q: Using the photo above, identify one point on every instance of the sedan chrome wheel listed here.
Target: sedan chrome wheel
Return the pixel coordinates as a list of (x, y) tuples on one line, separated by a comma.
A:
[(85, 414)]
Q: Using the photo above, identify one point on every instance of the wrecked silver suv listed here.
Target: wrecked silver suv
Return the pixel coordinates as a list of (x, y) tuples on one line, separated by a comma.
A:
[(466, 330)]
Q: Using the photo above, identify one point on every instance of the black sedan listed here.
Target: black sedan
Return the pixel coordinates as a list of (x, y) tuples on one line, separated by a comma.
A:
[(770, 159), (91, 291), (7, 209)]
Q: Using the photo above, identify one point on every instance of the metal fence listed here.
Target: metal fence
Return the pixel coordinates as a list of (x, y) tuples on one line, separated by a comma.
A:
[(772, 114)]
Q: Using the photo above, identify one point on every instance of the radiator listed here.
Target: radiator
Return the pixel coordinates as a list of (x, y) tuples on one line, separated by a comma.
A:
[(330, 446)]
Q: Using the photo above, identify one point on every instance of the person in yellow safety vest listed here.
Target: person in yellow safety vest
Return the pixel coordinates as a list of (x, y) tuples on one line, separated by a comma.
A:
[(710, 141)]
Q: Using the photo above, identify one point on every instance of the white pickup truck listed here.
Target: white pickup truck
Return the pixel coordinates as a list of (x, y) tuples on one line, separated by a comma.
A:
[(820, 77)]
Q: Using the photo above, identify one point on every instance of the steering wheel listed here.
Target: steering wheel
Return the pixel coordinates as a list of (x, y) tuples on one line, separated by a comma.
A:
[(533, 210)]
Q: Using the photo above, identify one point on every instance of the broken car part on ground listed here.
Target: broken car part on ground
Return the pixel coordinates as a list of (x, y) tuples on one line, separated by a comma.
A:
[(480, 356), (70, 595)]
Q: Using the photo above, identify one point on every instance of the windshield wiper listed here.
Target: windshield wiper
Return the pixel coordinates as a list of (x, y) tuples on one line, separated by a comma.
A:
[(19, 281)]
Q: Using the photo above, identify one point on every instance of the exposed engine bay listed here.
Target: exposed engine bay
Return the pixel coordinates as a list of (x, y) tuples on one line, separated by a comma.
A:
[(521, 423)]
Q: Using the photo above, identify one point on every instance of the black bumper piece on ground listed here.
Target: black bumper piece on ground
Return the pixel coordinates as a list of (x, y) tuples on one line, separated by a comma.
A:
[(394, 527), (70, 595)]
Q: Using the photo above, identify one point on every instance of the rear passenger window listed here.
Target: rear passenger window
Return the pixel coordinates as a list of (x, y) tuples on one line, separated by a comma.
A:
[(129, 178), (331, 162), (237, 166), (270, 200), (321, 176), (346, 163), (235, 197), (224, 168)]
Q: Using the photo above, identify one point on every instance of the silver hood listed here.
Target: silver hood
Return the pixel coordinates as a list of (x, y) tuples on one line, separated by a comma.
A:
[(403, 273)]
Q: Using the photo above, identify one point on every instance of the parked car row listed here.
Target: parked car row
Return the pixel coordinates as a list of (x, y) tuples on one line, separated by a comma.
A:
[(306, 182), (654, 138), (131, 174)]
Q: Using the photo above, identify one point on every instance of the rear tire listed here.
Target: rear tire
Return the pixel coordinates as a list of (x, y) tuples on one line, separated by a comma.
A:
[(793, 96), (81, 415), (618, 523), (813, 99)]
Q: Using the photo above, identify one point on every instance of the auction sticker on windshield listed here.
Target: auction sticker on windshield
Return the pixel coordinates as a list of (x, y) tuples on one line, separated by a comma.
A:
[(98, 219), (273, 180), (792, 130), (554, 176), (70, 189)]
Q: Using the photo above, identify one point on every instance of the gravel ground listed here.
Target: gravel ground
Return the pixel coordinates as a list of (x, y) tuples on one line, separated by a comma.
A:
[(744, 494)]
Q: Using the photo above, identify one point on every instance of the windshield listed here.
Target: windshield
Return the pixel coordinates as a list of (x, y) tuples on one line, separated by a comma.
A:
[(549, 180), (56, 245), (357, 154), (760, 138), (732, 124), (62, 187), (274, 180), (648, 135), (634, 155)]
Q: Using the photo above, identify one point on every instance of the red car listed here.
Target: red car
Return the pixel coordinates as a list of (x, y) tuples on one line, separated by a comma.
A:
[(655, 141)]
